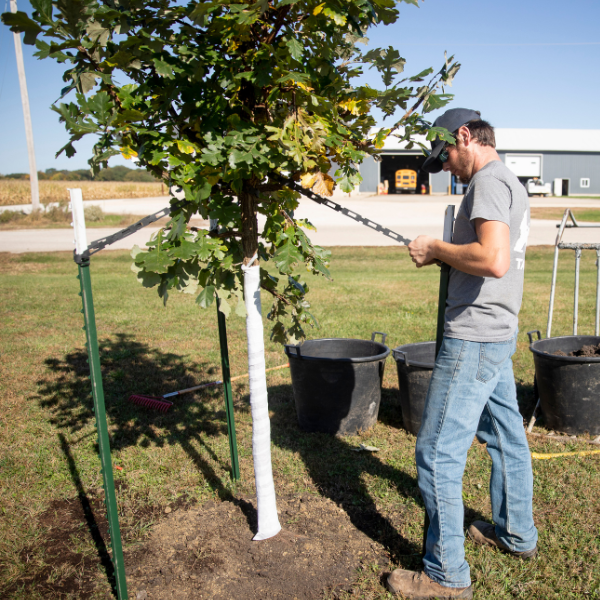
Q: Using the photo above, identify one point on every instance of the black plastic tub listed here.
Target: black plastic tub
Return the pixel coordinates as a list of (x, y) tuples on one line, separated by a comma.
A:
[(568, 386), (414, 363), (337, 383)]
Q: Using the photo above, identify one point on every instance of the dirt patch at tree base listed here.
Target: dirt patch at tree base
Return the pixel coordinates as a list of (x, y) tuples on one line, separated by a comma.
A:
[(201, 552), (207, 552)]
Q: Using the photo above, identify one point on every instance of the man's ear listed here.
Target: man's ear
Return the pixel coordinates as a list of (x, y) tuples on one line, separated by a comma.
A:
[(464, 135)]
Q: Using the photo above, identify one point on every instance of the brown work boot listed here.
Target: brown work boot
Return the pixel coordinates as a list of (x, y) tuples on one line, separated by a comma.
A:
[(484, 534), (416, 585)]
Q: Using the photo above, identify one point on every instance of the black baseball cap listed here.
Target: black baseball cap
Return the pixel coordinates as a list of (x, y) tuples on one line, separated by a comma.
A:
[(451, 120)]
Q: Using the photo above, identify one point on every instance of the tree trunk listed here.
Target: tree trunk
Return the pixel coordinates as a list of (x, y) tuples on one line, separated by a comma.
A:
[(249, 225), (268, 522)]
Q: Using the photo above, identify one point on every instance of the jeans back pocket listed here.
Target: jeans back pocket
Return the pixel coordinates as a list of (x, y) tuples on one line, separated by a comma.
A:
[(492, 356)]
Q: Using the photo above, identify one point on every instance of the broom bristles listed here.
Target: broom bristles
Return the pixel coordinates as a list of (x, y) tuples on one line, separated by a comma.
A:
[(151, 402)]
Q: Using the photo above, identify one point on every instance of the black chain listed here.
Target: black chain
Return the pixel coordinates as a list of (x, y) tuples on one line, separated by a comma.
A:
[(349, 213), (115, 237)]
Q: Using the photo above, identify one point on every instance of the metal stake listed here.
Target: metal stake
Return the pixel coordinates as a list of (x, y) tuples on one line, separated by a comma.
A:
[(441, 318), (89, 316), (110, 498), (235, 466), (597, 291), (552, 291), (233, 452), (576, 298)]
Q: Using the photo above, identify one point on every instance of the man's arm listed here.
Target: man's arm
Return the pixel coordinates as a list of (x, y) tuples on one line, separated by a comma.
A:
[(489, 256)]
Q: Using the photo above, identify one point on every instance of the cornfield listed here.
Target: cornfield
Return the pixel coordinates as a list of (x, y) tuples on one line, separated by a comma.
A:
[(18, 191)]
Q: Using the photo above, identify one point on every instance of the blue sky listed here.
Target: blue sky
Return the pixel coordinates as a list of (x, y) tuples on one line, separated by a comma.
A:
[(525, 63)]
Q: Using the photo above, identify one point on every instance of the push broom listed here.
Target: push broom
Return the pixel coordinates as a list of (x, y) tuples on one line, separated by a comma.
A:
[(162, 403)]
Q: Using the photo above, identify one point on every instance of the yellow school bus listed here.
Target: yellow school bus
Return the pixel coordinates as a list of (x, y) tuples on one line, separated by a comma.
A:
[(406, 181)]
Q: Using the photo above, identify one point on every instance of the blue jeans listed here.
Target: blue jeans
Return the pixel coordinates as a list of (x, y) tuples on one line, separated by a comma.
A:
[(472, 393)]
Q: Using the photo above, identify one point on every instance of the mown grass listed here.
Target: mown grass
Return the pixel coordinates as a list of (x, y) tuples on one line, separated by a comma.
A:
[(60, 218), (48, 438), (591, 215), (18, 191)]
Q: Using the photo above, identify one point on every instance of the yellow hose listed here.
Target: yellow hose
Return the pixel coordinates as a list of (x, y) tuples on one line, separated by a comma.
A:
[(555, 455)]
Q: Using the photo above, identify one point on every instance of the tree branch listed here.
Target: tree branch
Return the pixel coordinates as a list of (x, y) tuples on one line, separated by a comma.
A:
[(276, 295), (278, 24)]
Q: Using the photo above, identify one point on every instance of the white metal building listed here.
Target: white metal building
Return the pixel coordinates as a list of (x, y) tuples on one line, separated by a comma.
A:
[(569, 159)]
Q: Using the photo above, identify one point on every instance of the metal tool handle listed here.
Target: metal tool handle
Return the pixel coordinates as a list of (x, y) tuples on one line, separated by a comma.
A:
[(530, 335), (400, 354), (383, 336)]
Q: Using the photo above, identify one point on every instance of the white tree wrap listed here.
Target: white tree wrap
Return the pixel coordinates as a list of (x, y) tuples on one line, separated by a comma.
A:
[(268, 521)]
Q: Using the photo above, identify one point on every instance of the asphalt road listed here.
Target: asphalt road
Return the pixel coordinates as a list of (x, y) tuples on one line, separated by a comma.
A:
[(408, 215)]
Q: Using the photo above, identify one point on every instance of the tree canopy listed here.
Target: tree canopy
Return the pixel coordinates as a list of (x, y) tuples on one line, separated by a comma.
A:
[(229, 99)]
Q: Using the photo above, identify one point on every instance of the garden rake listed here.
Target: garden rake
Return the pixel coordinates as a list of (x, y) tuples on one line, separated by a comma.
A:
[(162, 403)]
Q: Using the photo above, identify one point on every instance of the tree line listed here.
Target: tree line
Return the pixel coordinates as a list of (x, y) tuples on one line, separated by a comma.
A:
[(118, 173)]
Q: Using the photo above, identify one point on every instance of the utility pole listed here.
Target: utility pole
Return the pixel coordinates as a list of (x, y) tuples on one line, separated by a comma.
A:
[(33, 177)]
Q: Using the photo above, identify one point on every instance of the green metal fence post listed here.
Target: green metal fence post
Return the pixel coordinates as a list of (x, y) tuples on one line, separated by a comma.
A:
[(89, 317), (441, 317), (102, 427), (235, 466)]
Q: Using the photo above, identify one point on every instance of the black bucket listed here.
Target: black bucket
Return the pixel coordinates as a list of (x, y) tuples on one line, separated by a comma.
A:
[(337, 383), (415, 366), (568, 386)]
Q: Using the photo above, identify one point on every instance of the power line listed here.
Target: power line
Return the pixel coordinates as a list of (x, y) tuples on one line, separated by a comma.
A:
[(452, 44)]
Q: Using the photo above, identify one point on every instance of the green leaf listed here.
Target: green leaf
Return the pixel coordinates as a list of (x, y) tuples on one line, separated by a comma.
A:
[(240, 309), (296, 48), (98, 34), (206, 297), (199, 14), (287, 256), (20, 22), (224, 306), (44, 11), (101, 106), (185, 250), (163, 68), (86, 81), (130, 116), (148, 280), (156, 261)]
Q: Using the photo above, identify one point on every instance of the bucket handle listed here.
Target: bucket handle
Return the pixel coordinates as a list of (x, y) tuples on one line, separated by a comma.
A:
[(383, 336), (288, 350), (397, 356), (530, 335)]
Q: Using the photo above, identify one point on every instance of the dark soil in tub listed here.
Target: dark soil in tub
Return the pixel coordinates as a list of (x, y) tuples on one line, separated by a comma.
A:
[(591, 351)]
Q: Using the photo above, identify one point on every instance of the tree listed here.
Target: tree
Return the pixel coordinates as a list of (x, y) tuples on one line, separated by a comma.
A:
[(228, 100)]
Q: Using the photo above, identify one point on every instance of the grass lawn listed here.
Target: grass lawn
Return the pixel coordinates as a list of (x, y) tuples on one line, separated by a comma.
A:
[(60, 218), (48, 441), (591, 215)]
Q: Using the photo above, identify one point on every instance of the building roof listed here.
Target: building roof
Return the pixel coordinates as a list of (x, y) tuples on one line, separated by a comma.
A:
[(528, 140), (556, 140)]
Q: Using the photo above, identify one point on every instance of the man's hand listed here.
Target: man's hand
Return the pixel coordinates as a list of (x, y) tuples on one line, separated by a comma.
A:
[(421, 251), (489, 256)]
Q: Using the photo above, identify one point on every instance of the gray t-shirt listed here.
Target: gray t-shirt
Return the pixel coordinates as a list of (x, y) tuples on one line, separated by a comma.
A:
[(485, 309)]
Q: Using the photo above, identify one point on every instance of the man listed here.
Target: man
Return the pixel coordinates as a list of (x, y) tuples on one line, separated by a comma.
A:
[(472, 391)]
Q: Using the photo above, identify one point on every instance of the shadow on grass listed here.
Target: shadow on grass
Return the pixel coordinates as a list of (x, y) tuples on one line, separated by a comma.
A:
[(343, 475), (86, 507), (129, 366)]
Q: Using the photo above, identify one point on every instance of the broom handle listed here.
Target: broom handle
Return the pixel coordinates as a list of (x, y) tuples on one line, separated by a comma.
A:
[(215, 383)]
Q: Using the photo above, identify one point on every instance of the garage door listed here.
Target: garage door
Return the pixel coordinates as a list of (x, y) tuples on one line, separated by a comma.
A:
[(525, 165)]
